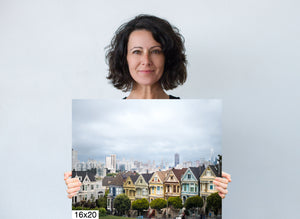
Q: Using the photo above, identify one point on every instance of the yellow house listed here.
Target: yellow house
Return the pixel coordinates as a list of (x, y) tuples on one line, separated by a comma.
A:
[(172, 183), (129, 186), (142, 186), (156, 185), (206, 181)]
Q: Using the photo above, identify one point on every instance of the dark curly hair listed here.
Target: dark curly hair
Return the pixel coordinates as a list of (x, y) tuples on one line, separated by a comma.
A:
[(163, 32)]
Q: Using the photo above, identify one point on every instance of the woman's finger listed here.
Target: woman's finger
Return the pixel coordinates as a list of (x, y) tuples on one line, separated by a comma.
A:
[(221, 195), (72, 194), (220, 184), (222, 180), (221, 190), (67, 175), (74, 185), (227, 176), (72, 190), (72, 180)]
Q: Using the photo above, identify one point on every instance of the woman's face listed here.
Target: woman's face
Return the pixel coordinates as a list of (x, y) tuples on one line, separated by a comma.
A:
[(145, 58)]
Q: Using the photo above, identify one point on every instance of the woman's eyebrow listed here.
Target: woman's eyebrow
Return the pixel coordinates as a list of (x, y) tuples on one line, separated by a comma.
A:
[(154, 47), (139, 47), (136, 47)]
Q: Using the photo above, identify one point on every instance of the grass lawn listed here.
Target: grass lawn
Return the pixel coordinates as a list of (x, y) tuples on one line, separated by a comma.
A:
[(111, 217)]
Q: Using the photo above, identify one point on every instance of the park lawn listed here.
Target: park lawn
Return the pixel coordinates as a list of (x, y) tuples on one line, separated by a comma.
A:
[(111, 217)]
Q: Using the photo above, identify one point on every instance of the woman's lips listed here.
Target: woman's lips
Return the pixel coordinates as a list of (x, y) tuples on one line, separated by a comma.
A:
[(146, 71)]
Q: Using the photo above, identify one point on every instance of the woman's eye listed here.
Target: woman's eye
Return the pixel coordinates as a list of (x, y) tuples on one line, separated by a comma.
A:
[(156, 51), (136, 52)]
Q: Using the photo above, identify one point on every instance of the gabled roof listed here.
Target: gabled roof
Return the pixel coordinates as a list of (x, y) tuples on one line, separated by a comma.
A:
[(196, 171), (147, 176), (162, 174), (117, 180), (214, 169), (134, 178), (83, 174), (107, 180), (129, 173), (179, 172)]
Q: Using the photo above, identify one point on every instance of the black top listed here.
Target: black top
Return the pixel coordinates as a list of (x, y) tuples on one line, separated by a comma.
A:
[(170, 97)]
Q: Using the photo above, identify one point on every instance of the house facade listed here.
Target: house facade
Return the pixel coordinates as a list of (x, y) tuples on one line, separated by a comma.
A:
[(172, 183), (129, 186), (206, 181), (156, 185), (190, 184), (142, 186), (115, 189), (91, 189)]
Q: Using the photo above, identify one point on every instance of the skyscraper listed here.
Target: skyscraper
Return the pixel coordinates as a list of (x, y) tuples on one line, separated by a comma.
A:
[(176, 159), (74, 159), (111, 162), (114, 161), (212, 156), (108, 162)]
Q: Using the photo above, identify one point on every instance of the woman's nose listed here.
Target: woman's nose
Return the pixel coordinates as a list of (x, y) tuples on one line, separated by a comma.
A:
[(146, 60)]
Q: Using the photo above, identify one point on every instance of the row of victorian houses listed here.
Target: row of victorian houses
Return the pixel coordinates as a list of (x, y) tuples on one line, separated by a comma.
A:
[(184, 183)]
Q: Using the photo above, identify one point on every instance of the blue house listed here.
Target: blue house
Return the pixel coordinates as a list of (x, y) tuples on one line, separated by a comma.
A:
[(190, 185), (115, 189)]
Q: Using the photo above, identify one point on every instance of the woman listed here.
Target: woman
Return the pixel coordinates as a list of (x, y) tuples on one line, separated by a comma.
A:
[(147, 57)]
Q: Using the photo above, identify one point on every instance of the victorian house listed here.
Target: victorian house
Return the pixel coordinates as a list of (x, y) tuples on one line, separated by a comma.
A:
[(172, 183), (206, 181), (190, 184), (115, 189), (156, 185), (91, 189), (142, 186), (129, 186)]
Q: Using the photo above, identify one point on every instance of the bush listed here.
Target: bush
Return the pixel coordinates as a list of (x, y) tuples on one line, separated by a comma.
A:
[(158, 204), (176, 202), (102, 212), (140, 205), (194, 202)]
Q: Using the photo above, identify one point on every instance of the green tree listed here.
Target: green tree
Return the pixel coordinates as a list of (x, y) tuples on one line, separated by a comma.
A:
[(194, 202), (102, 201), (122, 204), (158, 204), (176, 202), (214, 203), (140, 205)]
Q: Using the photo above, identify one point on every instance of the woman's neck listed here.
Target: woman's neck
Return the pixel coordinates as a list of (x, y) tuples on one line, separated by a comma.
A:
[(147, 92)]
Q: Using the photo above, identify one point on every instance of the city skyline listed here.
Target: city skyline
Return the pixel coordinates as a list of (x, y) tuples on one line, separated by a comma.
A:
[(147, 130), (113, 165)]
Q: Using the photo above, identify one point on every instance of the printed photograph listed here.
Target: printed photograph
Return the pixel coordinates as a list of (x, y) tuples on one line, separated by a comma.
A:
[(147, 158)]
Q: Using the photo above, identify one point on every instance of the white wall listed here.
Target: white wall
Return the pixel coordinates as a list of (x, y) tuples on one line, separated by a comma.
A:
[(245, 52)]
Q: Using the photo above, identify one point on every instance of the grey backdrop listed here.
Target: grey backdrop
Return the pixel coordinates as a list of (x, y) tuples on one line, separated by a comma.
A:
[(245, 52)]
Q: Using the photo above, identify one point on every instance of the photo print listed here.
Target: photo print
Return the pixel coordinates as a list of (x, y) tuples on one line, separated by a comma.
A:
[(147, 158)]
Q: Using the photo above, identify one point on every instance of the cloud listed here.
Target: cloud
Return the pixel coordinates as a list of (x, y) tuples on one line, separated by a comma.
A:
[(146, 129)]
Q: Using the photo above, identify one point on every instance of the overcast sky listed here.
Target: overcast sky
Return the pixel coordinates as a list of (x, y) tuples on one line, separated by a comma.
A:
[(146, 129)]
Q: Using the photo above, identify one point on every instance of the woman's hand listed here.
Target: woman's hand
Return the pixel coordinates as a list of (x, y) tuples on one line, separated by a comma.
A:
[(222, 183), (73, 184)]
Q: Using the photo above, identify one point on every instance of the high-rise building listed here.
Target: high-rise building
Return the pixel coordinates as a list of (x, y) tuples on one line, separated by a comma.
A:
[(111, 162), (176, 160), (108, 162), (74, 158), (212, 156), (114, 161)]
